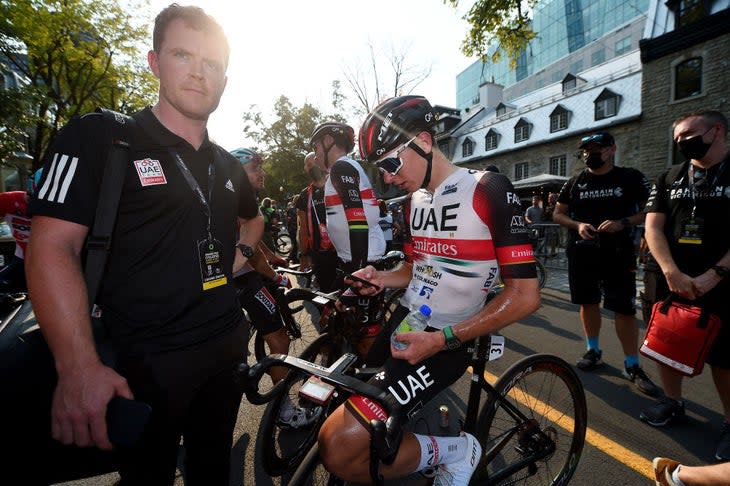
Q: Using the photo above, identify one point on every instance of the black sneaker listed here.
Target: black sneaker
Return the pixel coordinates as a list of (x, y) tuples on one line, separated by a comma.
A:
[(590, 361), (723, 446), (663, 412), (642, 382)]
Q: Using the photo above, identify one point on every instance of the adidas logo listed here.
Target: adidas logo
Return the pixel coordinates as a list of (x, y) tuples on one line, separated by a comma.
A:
[(229, 186)]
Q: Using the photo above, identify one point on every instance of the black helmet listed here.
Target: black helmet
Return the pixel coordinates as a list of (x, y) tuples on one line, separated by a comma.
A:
[(392, 123), (343, 134)]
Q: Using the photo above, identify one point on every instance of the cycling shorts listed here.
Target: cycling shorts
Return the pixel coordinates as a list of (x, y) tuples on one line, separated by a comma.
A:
[(259, 303), (600, 271), (410, 386)]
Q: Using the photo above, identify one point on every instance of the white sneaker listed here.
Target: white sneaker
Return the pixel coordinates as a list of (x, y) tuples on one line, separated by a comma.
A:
[(459, 473), (295, 417)]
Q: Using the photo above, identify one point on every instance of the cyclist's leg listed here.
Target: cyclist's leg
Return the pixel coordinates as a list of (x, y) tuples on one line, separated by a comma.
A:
[(344, 439)]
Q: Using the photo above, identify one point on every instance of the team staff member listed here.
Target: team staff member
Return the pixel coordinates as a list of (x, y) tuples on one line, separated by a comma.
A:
[(687, 232), (600, 206), (466, 227), (315, 247), (167, 297)]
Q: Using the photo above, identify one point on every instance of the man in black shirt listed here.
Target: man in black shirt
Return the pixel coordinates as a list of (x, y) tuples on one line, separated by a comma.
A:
[(687, 232), (167, 297), (600, 206)]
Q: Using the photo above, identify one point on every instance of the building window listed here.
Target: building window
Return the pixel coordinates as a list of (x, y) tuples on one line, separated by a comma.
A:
[(622, 46), (491, 140), (444, 148), (522, 130), (688, 78), (577, 66), (598, 57), (558, 119), (569, 82), (467, 148), (606, 105), (501, 109), (521, 171), (687, 11), (558, 165)]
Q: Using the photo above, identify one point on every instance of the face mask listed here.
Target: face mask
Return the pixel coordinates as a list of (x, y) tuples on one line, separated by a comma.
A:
[(594, 161), (694, 147), (315, 173)]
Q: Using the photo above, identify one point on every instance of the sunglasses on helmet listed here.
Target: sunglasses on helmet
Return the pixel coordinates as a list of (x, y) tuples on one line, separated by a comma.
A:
[(392, 164)]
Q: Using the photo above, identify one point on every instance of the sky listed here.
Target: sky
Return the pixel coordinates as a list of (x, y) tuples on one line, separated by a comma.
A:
[(297, 48)]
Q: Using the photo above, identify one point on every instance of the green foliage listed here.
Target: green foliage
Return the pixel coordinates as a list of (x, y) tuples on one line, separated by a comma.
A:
[(506, 22), (76, 55), (284, 143)]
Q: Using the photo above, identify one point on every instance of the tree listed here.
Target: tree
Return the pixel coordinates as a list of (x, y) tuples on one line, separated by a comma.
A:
[(76, 55), (377, 81), (284, 143), (505, 21)]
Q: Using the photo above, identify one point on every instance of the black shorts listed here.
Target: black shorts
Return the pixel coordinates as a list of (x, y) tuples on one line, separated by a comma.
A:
[(607, 271), (256, 299), (410, 386)]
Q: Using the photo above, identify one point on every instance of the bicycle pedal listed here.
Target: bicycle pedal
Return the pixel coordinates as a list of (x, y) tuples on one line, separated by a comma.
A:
[(429, 472)]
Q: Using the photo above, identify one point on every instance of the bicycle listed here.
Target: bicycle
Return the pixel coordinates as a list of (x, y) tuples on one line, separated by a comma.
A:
[(531, 426), (283, 448), (520, 433)]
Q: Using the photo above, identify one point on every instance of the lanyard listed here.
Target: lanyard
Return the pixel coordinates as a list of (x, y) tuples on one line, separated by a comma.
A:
[(709, 184), (196, 187)]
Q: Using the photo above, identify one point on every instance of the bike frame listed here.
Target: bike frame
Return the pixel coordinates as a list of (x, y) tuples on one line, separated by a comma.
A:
[(523, 424)]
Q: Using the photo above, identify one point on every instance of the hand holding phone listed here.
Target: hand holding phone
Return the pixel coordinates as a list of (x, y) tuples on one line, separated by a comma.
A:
[(355, 278), (126, 420)]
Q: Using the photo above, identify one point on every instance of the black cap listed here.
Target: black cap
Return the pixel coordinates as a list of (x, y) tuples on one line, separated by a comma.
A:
[(604, 139)]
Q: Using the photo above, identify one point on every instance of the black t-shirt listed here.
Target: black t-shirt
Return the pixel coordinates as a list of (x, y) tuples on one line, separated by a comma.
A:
[(595, 198), (152, 295), (674, 199)]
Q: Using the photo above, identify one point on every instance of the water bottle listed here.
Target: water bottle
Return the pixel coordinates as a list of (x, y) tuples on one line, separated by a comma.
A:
[(416, 320)]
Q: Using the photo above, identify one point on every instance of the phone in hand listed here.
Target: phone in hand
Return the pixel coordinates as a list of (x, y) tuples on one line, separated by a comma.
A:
[(361, 280), (126, 420)]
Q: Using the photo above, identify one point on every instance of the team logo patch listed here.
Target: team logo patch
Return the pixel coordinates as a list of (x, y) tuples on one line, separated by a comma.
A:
[(150, 172)]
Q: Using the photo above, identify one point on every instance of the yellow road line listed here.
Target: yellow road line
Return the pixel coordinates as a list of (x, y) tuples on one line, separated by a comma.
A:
[(599, 441)]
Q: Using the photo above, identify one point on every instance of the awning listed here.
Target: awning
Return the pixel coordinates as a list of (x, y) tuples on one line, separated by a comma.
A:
[(540, 180)]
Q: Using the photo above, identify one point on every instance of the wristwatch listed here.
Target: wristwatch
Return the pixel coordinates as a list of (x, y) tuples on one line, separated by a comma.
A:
[(452, 342), (246, 250), (723, 272)]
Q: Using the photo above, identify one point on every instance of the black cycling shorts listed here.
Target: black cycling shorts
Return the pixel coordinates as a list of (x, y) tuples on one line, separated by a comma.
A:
[(256, 299), (595, 272), (410, 386)]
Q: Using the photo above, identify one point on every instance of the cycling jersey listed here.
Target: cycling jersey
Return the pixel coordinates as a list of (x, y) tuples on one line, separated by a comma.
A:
[(14, 207), (463, 236), (352, 214), (160, 225)]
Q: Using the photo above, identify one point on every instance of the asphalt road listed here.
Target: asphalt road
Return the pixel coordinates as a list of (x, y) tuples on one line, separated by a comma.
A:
[(619, 447)]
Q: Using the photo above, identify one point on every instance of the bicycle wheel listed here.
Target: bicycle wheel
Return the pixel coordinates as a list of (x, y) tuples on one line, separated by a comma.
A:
[(548, 392), (283, 245), (311, 472), (283, 448)]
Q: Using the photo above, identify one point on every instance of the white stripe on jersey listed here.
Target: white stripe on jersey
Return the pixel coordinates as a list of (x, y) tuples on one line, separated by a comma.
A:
[(54, 176)]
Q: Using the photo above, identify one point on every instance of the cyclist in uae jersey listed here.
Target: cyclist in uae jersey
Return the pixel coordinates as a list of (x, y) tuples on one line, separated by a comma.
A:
[(466, 227)]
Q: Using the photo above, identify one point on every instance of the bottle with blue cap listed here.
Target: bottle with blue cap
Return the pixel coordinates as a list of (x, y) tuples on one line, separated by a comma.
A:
[(416, 320)]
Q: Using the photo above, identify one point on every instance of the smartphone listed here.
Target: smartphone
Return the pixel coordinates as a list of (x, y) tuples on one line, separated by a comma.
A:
[(361, 280), (126, 420)]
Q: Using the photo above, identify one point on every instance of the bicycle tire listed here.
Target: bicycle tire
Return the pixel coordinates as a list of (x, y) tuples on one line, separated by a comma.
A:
[(311, 472), (283, 245), (545, 389), (283, 449)]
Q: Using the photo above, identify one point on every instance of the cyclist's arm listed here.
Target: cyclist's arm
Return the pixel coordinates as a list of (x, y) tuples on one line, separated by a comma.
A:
[(60, 301), (250, 233), (391, 279), (346, 181)]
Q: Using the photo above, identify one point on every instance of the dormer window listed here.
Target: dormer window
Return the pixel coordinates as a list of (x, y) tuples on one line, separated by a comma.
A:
[(522, 130), (467, 148), (559, 119), (569, 82), (501, 109), (606, 104), (491, 140)]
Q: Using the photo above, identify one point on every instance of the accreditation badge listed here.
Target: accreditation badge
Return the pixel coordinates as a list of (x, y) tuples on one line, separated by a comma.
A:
[(211, 263), (692, 230)]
